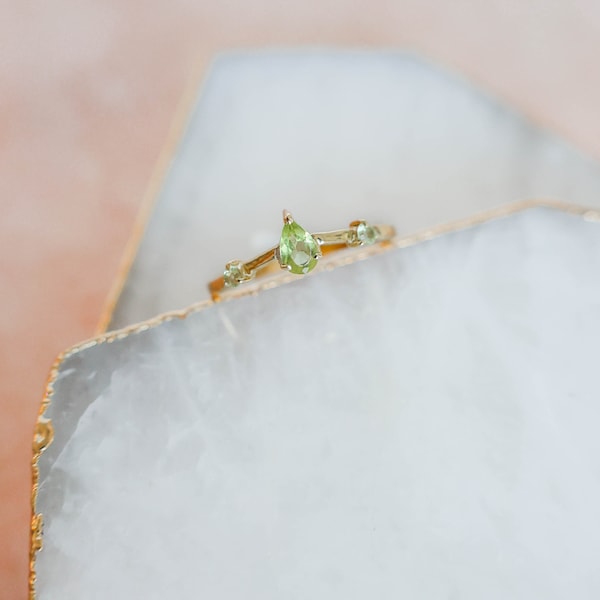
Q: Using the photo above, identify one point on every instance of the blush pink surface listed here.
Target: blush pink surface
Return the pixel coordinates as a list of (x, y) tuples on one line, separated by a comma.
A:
[(88, 93)]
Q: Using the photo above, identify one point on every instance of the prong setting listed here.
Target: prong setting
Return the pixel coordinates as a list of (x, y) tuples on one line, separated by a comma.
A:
[(277, 254), (362, 234), (235, 273)]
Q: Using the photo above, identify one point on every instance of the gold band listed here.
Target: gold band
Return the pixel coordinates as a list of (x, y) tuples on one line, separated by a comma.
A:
[(298, 251)]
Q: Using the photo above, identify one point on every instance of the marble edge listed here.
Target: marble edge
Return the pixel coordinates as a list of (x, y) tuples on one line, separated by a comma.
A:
[(43, 430)]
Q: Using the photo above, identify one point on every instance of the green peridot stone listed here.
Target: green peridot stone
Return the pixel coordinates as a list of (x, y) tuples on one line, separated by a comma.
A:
[(234, 273), (366, 234), (298, 250)]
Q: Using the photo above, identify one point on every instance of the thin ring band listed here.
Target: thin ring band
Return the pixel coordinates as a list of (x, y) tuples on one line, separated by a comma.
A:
[(299, 251)]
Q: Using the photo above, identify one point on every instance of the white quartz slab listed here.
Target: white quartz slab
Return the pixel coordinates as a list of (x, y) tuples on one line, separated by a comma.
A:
[(422, 424), (334, 136)]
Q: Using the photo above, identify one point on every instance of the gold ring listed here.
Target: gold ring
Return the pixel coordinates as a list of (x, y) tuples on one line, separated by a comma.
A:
[(299, 251)]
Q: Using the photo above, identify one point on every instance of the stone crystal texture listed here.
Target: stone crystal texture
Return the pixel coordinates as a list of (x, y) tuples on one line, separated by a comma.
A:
[(420, 424), (334, 137)]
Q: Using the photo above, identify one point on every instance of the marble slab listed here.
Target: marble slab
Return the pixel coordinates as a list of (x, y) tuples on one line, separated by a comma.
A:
[(334, 136), (420, 424)]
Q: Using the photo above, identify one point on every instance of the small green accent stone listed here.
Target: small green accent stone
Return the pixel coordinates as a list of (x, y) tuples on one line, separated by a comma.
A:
[(366, 234), (234, 274), (298, 249)]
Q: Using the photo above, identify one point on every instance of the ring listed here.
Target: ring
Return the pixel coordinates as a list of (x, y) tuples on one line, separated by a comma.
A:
[(299, 251)]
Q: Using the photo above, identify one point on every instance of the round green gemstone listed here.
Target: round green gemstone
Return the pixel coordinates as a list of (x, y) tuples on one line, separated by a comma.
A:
[(298, 249), (366, 234), (234, 274)]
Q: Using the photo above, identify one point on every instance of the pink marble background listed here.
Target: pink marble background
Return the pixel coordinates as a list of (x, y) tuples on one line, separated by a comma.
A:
[(88, 90)]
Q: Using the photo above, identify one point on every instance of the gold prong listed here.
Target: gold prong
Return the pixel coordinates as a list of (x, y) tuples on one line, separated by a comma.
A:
[(277, 255), (287, 216)]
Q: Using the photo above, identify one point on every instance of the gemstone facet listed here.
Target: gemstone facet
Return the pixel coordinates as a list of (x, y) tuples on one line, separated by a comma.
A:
[(234, 273), (366, 234), (299, 251)]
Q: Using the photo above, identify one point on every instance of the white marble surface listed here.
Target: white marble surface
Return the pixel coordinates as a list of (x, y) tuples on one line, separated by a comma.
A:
[(423, 424), (334, 136)]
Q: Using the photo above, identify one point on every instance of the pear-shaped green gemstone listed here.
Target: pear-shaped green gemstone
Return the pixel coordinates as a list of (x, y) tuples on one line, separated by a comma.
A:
[(298, 250)]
